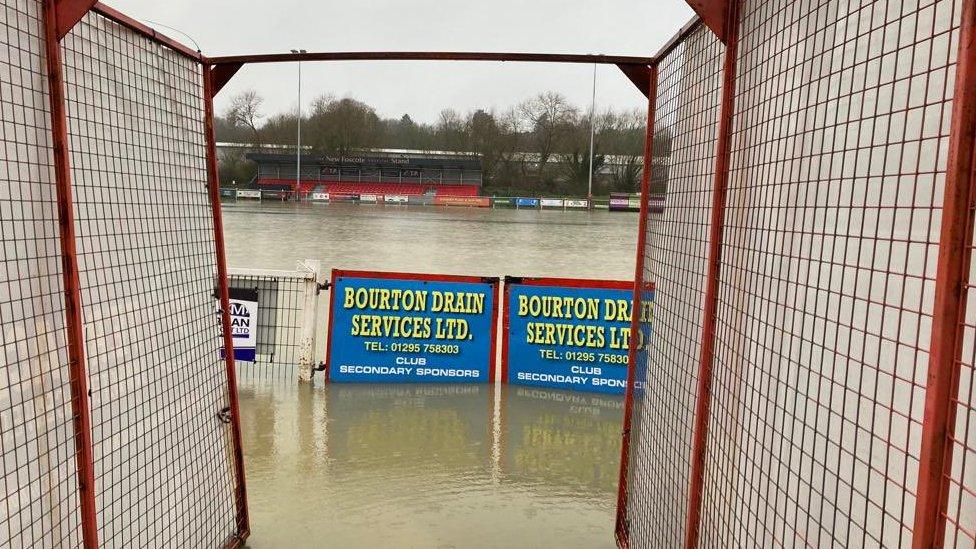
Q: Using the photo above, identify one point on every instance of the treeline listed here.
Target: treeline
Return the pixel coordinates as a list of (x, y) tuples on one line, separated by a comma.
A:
[(539, 145)]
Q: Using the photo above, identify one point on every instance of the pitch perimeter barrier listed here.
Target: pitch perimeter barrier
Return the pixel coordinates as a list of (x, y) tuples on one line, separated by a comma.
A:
[(811, 376), (413, 328), (569, 333), (287, 306), (120, 424)]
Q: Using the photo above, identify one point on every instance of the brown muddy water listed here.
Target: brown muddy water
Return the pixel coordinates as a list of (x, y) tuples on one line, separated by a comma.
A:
[(439, 466)]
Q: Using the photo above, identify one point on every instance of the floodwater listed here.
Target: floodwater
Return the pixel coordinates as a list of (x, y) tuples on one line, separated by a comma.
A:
[(440, 466)]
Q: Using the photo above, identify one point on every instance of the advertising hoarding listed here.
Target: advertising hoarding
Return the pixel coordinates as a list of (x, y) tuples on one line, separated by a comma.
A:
[(406, 327)]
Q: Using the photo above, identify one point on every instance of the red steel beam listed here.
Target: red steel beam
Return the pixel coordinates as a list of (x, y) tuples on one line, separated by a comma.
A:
[(715, 15), (146, 31), (952, 276), (80, 405), (213, 186), (432, 56), (622, 531), (635, 68), (709, 314), (678, 37), (70, 12)]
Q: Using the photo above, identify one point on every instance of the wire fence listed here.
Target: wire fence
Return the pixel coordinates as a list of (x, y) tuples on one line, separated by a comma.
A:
[(677, 246), (145, 254), (814, 420), (113, 397), (37, 446)]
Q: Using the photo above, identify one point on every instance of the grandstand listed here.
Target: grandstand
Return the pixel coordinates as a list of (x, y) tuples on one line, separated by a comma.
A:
[(375, 172)]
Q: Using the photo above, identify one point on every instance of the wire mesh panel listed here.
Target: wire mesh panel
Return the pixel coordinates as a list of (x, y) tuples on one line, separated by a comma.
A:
[(689, 81), (961, 506), (39, 493), (146, 259), (960, 481), (827, 275)]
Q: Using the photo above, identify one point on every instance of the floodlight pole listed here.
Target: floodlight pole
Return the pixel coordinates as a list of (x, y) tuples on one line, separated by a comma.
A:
[(298, 149), (589, 188)]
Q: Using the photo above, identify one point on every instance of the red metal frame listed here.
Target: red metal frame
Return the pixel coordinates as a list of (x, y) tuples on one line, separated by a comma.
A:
[(213, 187), (80, 404), (952, 274), (432, 56), (392, 275), (622, 533), (69, 13), (148, 32), (505, 326), (548, 281), (634, 68), (678, 38), (716, 15), (222, 75), (710, 303)]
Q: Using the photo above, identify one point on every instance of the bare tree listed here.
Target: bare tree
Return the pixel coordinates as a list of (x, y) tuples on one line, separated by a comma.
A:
[(451, 131), (245, 112), (550, 117)]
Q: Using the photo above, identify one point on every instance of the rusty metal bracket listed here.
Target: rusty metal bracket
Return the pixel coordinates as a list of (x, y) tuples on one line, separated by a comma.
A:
[(640, 75), (221, 73), (715, 15), (69, 12)]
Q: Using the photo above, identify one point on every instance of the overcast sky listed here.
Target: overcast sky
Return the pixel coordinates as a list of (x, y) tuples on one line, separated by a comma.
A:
[(423, 89)]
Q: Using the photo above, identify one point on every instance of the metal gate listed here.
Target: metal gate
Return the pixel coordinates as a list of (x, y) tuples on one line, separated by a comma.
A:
[(118, 420), (809, 380)]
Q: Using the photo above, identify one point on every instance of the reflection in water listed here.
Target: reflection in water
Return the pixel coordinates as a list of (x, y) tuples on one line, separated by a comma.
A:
[(562, 441), (429, 466)]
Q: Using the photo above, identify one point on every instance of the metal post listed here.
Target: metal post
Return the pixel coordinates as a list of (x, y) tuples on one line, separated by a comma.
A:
[(622, 526), (306, 345), (298, 149), (952, 277), (213, 182), (80, 405), (589, 189), (710, 305)]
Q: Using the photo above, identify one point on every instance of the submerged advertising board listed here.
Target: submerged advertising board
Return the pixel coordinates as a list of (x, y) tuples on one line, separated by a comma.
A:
[(568, 333), (405, 327), (243, 323), (472, 201)]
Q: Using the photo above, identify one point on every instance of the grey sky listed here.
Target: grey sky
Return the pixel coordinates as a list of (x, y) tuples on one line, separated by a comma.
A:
[(423, 89)]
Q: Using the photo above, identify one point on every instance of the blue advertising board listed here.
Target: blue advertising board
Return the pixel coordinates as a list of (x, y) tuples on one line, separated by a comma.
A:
[(527, 202), (403, 328), (568, 333)]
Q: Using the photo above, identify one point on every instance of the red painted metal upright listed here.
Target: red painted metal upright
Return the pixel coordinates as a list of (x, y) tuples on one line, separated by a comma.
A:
[(723, 155), (621, 531), (80, 407), (955, 240), (213, 183)]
